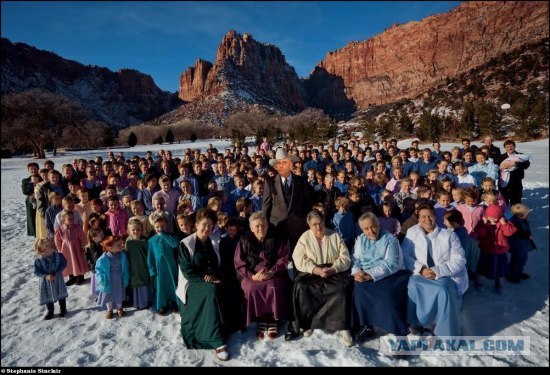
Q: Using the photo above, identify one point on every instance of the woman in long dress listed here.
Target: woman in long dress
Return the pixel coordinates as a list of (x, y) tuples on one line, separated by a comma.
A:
[(261, 260), (202, 292), (321, 295)]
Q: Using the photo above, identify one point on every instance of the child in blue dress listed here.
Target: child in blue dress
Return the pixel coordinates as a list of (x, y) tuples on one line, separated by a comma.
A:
[(49, 267), (162, 267), (112, 276)]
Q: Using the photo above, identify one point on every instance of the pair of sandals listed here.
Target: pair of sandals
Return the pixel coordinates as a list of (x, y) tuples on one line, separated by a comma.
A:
[(270, 328)]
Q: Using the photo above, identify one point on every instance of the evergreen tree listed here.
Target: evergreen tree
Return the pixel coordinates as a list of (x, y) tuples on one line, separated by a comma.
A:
[(489, 119), (193, 137), (429, 126), (468, 123), (405, 124), (132, 139), (368, 127), (169, 136)]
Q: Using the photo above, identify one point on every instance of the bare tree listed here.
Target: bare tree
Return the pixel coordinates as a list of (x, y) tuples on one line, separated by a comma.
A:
[(37, 117)]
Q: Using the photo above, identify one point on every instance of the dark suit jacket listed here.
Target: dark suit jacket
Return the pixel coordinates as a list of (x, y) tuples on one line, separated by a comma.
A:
[(289, 220)]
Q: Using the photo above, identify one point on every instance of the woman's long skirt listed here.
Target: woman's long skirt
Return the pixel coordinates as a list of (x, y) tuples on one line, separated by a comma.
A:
[(382, 303), (320, 303), (201, 316), (435, 301)]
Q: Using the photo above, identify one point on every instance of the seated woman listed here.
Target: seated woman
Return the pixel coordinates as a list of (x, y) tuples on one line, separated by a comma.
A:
[(261, 261), (436, 258), (205, 300), (321, 294), (380, 287)]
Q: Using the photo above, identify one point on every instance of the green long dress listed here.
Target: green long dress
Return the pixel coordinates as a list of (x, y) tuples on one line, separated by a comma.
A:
[(202, 325)]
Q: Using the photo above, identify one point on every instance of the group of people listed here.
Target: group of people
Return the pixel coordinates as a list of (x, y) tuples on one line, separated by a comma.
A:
[(345, 237)]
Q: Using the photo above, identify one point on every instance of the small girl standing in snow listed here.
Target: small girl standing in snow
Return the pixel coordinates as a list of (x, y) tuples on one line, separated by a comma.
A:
[(137, 247), (49, 267), (492, 233), (70, 240), (112, 276), (163, 268)]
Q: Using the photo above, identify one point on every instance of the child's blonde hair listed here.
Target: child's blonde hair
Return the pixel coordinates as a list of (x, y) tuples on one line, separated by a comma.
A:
[(159, 199), (42, 243), (52, 195), (136, 203), (67, 214), (213, 201), (341, 202), (135, 222), (520, 210), (183, 205), (489, 194)]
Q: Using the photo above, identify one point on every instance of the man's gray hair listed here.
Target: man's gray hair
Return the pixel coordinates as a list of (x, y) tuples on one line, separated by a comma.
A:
[(258, 215), (371, 216)]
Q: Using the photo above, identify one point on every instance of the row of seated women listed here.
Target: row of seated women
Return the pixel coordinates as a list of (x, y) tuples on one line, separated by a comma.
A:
[(222, 291)]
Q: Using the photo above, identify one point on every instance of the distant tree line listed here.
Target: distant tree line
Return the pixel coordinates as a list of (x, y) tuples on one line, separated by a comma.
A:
[(182, 131), (309, 125)]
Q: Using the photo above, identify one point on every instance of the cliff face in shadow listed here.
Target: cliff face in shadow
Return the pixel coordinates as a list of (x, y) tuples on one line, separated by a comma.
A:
[(120, 99)]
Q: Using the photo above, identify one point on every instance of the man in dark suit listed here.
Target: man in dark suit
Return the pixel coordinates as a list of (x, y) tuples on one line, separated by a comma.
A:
[(513, 190), (287, 200)]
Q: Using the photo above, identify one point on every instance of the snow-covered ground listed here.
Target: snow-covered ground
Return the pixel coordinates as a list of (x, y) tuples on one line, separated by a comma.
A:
[(86, 338)]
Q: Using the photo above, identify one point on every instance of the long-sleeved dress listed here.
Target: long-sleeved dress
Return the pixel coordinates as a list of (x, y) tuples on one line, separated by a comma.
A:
[(382, 301), (112, 277), (140, 281), (319, 302), (163, 268), (435, 301), (55, 290), (270, 297), (203, 304), (70, 241)]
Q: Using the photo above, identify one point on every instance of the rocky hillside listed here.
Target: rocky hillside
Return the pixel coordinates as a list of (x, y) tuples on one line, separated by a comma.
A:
[(247, 75), (408, 59), (469, 104), (121, 99)]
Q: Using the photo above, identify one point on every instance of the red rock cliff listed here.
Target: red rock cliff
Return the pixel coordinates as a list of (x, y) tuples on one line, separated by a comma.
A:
[(249, 69), (407, 59)]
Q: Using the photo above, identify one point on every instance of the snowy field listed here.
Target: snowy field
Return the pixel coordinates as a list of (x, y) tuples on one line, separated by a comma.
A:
[(86, 338)]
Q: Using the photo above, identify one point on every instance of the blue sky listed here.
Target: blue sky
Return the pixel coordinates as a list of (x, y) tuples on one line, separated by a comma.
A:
[(164, 38)]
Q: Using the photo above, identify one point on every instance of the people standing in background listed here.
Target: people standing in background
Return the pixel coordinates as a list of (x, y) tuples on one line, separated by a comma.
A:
[(512, 165), (27, 187)]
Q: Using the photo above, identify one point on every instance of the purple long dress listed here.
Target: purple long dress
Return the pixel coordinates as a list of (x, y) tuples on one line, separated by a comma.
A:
[(263, 297)]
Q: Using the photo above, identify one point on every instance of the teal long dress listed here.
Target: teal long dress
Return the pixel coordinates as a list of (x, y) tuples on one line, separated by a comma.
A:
[(202, 321), (163, 268)]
